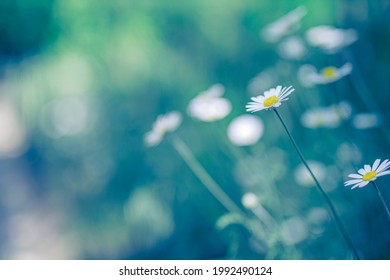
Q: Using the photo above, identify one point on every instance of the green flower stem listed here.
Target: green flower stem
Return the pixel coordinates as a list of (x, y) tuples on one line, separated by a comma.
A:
[(330, 204), (204, 177), (382, 199)]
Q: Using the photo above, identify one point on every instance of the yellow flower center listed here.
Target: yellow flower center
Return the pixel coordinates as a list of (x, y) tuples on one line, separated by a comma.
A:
[(369, 175), (268, 102), (329, 72)]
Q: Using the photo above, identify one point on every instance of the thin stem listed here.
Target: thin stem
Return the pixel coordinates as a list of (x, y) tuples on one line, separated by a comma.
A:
[(382, 199), (330, 204), (204, 177)]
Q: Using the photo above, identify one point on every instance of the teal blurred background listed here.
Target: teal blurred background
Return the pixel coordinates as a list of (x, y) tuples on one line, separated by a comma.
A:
[(81, 82)]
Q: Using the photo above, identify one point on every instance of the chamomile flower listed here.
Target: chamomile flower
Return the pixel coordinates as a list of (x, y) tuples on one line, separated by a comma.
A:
[(164, 123), (330, 74), (368, 174), (272, 98)]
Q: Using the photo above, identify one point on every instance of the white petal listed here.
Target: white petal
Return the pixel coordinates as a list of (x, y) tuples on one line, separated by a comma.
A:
[(355, 176), (252, 104), (362, 184), (367, 168), (362, 171), (286, 92), (383, 173), (345, 69), (278, 90), (385, 164), (267, 93), (376, 164), (351, 182)]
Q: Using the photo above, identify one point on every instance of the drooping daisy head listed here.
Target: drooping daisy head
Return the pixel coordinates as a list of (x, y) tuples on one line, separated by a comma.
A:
[(368, 174), (164, 123), (330, 74), (272, 98), (209, 105)]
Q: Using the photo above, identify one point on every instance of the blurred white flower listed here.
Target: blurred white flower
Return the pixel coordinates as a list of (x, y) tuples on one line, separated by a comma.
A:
[(329, 38), (285, 25), (245, 130), (328, 117), (209, 106), (249, 200), (292, 48), (330, 74), (368, 174), (272, 98), (164, 123), (366, 120), (294, 230), (303, 177)]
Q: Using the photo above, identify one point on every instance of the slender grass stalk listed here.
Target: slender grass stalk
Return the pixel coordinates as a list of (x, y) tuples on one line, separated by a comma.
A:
[(329, 202), (382, 199), (204, 177)]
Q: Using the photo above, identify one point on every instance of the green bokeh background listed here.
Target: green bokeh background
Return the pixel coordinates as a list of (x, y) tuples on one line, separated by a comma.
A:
[(85, 80)]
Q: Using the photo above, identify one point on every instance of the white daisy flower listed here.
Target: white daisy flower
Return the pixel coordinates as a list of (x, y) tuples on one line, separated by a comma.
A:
[(164, 123), (330, 74), (368, 174), (330, 39), (272, 98), (209, 105)]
